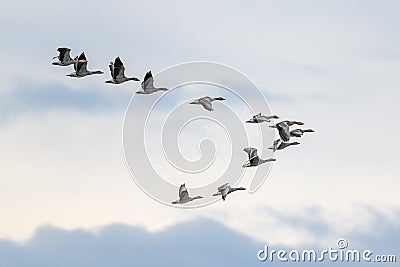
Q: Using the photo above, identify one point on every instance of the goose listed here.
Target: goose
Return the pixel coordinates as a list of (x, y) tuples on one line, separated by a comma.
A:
[(184, 196), (254, 160), (284, 145), (226, 189), (275, 145), (117, 73), (283, 129), (65, 58), (206, 102), (258, 118), (148, 86), (81, 68), (300, 132)]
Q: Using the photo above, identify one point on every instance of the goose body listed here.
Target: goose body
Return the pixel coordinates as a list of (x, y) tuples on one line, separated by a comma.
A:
[(284, 145), (300, 132), (118, 73), (258, 118), (254, 159), (81, 68), (206, 102), (226, 189), (184, 196), (148, 85), (64, 57)]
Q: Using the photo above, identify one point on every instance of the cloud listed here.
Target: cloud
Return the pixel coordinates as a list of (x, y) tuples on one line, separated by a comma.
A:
[(200, 242), (28, 97), (197, 243)]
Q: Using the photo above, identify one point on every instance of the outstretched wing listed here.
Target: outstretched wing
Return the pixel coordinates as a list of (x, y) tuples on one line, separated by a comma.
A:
[(223, 187), (111, 66), (183, 193), (81, 66), (276, 144), (119, 69), (277, 141), (284, 132), (64, 54), (251, 151), (147, 81), (76, 63), (206, 103)]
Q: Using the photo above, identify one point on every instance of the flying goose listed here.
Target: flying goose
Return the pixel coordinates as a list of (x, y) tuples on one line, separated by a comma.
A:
[(118, 73), (300, 132), (184, 196), (226, 189), (81, 68), (64, 58), (148, 86), (283, 129), (254, 160), (206, 102), (258, 118)]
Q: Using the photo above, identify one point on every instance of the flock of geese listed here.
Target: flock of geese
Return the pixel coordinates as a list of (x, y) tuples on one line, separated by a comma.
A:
[(117, 70)]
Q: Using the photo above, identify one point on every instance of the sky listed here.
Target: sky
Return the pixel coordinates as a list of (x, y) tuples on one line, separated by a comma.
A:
[(64, 180)]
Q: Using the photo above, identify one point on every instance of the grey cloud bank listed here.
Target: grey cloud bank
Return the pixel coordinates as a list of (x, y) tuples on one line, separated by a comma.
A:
[(201, 242), (28, 98)]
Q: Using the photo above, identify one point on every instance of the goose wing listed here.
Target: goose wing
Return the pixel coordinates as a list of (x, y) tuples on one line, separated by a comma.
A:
[(76, 63), (225, 191), (183, 193), (276, 142), (119, 69), (81, 66), (206, 103), (284, 132), (222, 187), (111, 66), (251, 151), (64, 54), (147, 81)]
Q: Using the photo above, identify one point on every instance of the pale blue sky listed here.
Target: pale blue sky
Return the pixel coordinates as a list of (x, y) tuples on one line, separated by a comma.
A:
[(332, 64)]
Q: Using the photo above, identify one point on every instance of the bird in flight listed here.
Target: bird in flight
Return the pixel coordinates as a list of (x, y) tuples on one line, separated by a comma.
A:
[(206, 102), (254, 159), (283, 128), (118, 73), (258, 118), (184, 196), (148, 85), (81, 68), (226, 189), (64, 58)]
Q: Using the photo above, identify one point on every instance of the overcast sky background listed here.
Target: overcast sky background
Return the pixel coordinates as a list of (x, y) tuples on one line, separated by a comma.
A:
[(333, 64)]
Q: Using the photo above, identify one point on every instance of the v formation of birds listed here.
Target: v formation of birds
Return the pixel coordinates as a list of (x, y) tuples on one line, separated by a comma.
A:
[(117, 70)]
